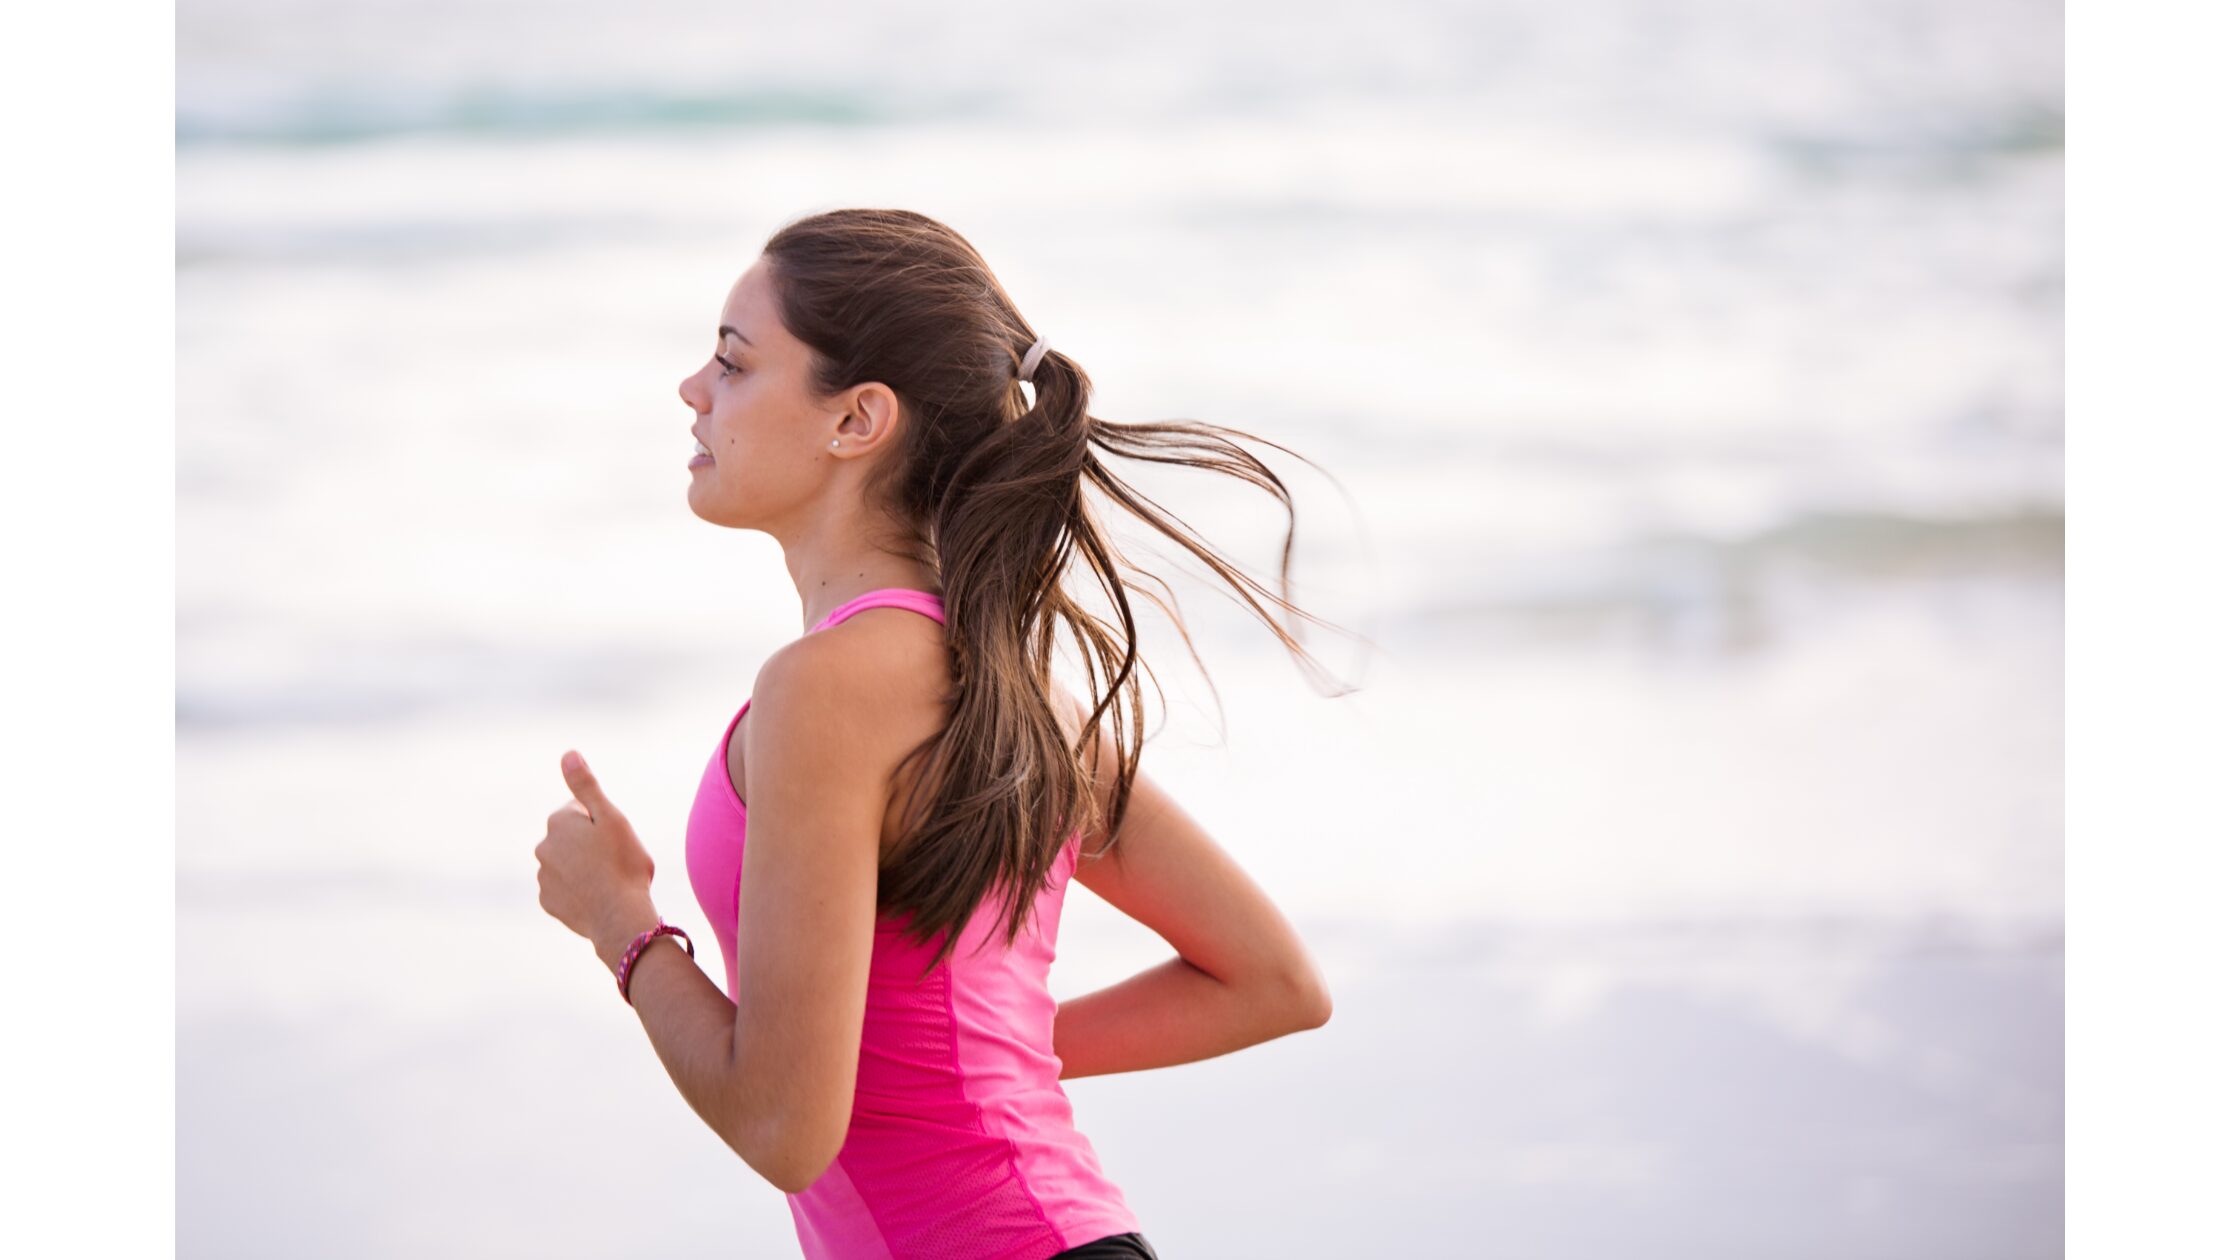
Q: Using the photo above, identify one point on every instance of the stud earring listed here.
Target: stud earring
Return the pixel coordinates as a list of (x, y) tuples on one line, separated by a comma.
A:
[(836, 441)]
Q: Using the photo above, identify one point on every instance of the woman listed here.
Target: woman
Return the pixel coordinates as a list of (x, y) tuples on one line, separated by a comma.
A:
[(886, 1051)]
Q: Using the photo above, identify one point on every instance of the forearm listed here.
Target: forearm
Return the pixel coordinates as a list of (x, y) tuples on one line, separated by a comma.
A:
[(690, 1023), (1173, 1013)]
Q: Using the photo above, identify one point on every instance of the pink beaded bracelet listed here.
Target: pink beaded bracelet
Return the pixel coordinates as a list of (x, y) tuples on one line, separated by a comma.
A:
[(645, 938)]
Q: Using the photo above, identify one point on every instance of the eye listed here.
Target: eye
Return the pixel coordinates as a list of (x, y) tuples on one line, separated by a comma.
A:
[(728, 368)]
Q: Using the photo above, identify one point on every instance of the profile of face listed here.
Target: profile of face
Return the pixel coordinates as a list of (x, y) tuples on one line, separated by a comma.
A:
[(772, 458)]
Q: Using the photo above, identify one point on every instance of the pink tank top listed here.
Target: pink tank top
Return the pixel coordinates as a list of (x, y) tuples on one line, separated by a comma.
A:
[(961, 1145)]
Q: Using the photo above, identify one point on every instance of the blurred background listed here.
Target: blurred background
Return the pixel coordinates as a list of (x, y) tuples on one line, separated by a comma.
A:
[(1688, 867)]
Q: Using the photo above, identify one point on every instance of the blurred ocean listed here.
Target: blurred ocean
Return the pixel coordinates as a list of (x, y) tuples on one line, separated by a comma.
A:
[(1688, 870)]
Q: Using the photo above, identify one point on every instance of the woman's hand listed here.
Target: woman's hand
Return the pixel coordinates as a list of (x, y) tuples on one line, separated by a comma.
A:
[(592, 873)]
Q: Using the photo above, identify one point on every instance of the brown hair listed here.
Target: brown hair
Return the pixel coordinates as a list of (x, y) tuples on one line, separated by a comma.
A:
[(992, 494)]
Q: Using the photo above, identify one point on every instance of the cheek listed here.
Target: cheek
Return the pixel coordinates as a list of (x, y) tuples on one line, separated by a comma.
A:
[(749, 454), (732, 431), (750, 429), (740, 420), (740, 447)]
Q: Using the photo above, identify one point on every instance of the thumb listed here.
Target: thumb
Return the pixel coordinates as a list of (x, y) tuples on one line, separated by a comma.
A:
[(585, 788)]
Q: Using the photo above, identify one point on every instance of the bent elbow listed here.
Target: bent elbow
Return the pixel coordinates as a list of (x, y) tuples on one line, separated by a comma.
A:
[(796, 1179), (795, 1167), (792, 1175), (1311, 999)]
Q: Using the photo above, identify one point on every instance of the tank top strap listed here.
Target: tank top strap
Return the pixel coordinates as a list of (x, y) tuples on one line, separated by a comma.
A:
[(885, 597)]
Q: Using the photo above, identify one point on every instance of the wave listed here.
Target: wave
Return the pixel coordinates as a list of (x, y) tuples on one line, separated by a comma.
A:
[(1808, 575), (300, 676), (347, 118)]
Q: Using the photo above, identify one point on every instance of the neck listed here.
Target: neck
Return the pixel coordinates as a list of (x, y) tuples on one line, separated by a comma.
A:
[(820, 599), (837, 563)]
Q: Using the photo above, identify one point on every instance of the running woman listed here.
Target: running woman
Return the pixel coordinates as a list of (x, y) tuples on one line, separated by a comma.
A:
[(885, 1049)]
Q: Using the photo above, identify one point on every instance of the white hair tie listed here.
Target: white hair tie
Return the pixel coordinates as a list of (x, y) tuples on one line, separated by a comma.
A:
[(1033, 359)]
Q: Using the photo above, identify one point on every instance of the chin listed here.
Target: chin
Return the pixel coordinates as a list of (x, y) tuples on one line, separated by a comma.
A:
[(713, 513)]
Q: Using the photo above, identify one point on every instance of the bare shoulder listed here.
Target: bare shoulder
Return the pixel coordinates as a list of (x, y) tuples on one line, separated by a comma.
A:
[(881, 670), (863, 694)]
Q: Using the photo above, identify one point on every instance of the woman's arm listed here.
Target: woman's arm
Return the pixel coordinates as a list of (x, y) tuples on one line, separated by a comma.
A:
[(690, 1022), (1175, 1013), (594, 875), (1241, 975)]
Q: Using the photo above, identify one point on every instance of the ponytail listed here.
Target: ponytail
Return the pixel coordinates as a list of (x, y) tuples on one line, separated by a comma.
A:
[(994, 493)]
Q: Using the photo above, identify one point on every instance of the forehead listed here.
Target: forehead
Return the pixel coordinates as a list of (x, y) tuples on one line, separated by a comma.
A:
[(752, 308)]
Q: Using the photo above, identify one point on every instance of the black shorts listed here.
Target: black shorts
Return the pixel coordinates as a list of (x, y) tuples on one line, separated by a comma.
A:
[(1117, 1247)]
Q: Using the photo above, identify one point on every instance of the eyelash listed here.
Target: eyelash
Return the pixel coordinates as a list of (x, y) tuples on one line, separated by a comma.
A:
[(727, 368)]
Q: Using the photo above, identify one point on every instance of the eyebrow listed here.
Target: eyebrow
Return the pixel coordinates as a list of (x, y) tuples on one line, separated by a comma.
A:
[(728, 331)]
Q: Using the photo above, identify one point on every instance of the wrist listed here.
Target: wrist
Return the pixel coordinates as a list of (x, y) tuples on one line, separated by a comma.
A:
[(620, 930)]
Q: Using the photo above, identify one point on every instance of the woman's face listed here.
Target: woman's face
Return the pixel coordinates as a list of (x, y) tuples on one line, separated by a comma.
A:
[(750, 407)]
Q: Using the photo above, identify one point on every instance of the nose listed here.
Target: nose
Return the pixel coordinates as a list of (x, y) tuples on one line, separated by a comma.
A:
[(689, 390)]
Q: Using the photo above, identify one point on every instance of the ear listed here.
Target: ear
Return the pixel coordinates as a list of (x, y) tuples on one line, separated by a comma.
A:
[(874, 415)]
